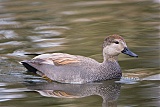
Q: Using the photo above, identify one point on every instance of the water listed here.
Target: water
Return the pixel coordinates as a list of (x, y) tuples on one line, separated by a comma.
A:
[(79, 27)]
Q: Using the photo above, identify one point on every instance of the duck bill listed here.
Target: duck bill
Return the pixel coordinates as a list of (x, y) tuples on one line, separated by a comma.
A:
[(128, 52)]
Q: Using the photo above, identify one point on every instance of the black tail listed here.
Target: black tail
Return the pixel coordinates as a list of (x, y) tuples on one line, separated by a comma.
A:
[(29, 67)]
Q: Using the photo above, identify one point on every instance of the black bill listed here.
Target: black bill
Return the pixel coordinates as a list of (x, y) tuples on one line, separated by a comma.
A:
[(128, 52)]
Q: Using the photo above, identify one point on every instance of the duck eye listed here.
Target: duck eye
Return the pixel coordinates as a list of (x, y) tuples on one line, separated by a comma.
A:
[(116, 42)]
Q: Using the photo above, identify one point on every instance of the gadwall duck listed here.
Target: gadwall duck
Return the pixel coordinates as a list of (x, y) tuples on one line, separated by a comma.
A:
[(66, 68)]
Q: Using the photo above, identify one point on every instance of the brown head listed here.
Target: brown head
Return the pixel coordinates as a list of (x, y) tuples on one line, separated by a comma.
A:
[(114, 45)]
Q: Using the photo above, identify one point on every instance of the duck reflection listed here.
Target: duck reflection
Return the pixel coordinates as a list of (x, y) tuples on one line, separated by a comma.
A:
[(108, 90)]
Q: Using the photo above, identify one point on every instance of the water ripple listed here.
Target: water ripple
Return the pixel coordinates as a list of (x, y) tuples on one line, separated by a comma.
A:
[(10, 94), (8, 34)]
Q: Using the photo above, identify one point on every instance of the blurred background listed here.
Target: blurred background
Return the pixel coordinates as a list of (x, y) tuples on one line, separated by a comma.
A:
[(79, 27)]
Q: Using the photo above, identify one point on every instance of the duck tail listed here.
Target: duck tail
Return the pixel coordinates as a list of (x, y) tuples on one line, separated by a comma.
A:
[(29, 67)]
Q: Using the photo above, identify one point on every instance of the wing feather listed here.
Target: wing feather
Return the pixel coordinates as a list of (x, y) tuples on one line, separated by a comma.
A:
[(55, 59)]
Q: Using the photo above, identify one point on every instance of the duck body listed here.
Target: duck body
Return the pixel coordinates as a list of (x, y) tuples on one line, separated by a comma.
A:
[(66, 68)]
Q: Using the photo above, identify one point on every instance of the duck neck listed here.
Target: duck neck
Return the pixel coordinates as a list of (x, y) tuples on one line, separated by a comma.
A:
[(110, 58)]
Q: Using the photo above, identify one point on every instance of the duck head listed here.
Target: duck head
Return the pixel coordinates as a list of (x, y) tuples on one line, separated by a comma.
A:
[(114, 45)]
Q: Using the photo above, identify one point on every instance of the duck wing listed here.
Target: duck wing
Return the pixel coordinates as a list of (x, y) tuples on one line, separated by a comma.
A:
[(55, 59)]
